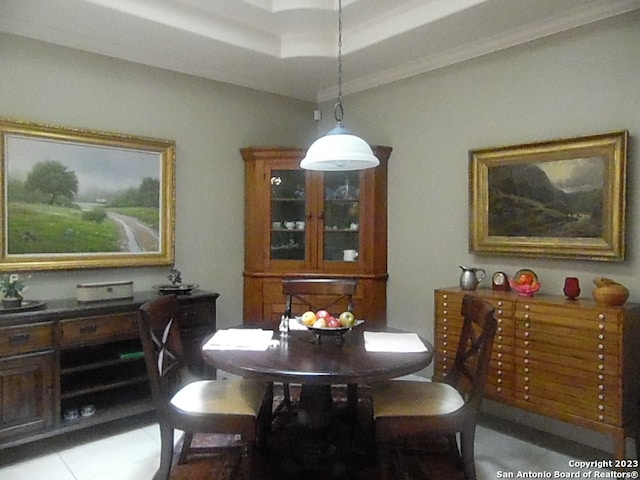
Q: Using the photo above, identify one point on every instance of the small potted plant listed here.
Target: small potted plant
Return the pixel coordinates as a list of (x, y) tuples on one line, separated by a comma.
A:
[(11, 286)]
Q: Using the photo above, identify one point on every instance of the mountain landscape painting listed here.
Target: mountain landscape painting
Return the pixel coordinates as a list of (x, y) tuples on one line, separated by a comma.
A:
[(562, 198)]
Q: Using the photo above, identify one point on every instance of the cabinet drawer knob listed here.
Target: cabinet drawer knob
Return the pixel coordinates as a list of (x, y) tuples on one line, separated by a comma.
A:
[(89, 328), (19, 338)]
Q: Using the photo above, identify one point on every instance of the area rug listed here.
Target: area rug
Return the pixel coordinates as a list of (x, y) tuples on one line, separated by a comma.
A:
[(352, 455)]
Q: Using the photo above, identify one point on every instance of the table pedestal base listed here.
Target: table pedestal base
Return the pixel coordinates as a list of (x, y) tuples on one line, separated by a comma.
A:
[(322, 445)]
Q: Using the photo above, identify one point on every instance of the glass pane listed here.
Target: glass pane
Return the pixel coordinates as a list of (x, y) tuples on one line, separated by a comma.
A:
[(342, 216), (288, 212)]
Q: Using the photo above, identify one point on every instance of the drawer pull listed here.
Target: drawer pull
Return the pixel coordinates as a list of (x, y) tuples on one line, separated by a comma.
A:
[(19, 338), (89, 328)]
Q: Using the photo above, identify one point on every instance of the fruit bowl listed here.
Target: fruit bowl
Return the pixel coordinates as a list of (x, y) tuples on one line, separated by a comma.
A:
[(525, 290), (338, 332), (525, 283)]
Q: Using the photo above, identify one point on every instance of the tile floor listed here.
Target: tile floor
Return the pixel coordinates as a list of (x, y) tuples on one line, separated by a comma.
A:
[(131, 452)]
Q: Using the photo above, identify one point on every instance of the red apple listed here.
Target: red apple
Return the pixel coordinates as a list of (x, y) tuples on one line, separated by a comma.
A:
[(333, 322), (322, 314)]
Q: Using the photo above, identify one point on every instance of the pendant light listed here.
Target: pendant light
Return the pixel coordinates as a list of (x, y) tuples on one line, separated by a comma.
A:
[(339, 150)]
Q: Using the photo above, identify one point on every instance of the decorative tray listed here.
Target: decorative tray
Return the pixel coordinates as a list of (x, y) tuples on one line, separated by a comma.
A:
[(180, 289), (27, 305)]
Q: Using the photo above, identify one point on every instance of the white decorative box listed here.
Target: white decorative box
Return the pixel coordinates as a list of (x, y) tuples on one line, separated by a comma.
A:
[(96, 292)]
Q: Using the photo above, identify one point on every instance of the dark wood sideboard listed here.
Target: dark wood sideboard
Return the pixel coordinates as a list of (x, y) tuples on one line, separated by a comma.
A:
[(69, 355)]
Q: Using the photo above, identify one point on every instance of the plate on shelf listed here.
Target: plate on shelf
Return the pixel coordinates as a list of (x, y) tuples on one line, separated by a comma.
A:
[(183, 288), (26, 306)]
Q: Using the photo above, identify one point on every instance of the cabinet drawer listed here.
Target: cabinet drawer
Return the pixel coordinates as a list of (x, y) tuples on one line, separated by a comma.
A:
[(26, 338), (99, 329), (591, 320)]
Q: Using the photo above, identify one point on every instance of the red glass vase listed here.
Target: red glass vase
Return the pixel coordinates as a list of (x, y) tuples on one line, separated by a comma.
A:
[(571, 288)]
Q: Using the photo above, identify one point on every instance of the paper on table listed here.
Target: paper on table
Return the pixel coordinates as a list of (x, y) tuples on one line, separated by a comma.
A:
[(240, 339), (393, 342)]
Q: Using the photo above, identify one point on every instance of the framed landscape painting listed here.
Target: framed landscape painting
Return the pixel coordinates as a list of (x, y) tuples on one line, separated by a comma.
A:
[(552, 199), (75, 198)]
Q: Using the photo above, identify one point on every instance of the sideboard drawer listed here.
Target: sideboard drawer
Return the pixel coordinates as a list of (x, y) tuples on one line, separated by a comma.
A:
[(98, 329), (25, 338)]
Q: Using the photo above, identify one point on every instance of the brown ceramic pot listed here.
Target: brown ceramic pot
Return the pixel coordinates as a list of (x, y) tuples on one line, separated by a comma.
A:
[(610, 295)]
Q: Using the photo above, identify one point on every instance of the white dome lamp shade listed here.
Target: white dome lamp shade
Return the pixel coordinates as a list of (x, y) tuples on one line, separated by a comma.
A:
[(339, 150)]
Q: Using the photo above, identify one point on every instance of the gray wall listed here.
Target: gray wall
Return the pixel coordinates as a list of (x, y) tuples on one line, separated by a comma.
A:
[(578, 83), (209, 122)]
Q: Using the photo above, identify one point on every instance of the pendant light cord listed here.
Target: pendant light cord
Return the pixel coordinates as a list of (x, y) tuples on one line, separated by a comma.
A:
[(338, 111)]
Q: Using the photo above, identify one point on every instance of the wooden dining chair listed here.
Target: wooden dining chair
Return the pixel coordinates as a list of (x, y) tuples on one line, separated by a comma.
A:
[(201, 406), (408, 410), (332, 294)]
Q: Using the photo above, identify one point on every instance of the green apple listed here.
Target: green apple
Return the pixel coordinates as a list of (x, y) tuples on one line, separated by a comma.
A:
[(347, 319)]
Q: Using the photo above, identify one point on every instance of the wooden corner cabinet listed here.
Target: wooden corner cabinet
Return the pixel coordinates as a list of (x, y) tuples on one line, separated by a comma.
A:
[(69, 355), (574, 361), (310, 224)]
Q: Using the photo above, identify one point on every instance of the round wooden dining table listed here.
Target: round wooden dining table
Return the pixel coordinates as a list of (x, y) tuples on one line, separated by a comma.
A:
[(298, 358)]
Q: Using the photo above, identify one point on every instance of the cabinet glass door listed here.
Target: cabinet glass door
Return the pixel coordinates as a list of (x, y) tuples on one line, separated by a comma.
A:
[(288, 214), (341, 216)]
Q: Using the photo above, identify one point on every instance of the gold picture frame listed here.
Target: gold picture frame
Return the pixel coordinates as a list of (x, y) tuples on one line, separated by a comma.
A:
[(73, 198), (554, 199)]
